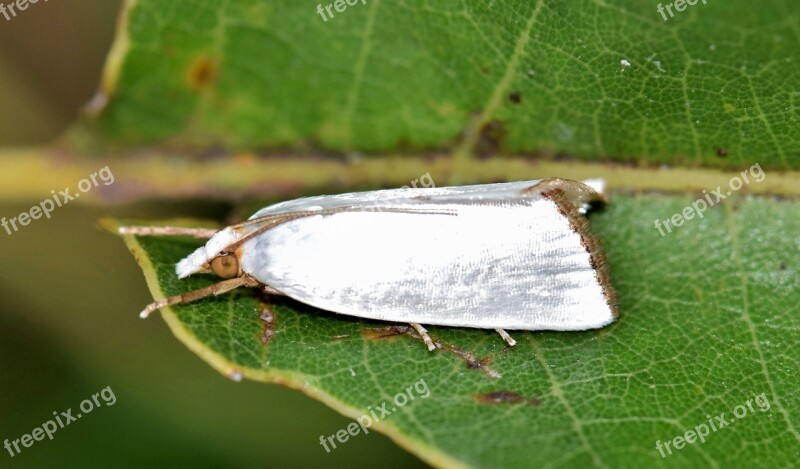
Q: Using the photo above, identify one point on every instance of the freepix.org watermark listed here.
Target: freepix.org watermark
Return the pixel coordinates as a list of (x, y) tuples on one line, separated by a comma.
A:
[(59, 199), (62, 419), (679, 5), (339, 5), (418, 389), (10, 10), (699, 206), (700, 432), (424, 181)]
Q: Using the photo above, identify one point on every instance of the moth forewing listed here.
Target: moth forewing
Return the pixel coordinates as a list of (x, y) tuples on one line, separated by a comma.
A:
[(497, 256)]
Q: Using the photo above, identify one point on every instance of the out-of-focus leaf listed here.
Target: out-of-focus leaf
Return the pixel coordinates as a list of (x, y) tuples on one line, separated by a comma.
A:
[(711, 86)]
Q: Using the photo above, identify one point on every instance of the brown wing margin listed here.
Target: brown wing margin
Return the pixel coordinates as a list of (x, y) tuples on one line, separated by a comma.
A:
[(568, 195)]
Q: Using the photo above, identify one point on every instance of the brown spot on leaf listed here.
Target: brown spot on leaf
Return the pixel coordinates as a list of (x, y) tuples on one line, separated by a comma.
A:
[(484, 362), (377, 333), (500, 397), (515, 97), (490, 139), (202, 74), (269, 323), (783, 266), (473, 363), (505, 397)]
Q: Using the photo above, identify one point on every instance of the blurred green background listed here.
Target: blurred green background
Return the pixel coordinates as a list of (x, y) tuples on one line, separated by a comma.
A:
[(71, 292)]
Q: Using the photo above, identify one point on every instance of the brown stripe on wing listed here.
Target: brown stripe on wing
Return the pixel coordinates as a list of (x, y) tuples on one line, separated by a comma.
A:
[(568, 195)]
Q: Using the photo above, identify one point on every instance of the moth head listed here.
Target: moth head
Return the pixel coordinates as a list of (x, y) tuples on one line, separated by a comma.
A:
[(225, 266), (212, 257)]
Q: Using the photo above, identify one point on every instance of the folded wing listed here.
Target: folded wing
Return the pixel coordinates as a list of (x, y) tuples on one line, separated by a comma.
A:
[(511, 256)]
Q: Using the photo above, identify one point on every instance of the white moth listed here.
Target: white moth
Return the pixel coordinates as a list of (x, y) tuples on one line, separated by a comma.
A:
[(514, 256)]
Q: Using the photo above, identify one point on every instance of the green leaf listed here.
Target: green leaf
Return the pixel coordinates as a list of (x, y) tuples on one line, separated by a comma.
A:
[(708, 322), (718, 79)]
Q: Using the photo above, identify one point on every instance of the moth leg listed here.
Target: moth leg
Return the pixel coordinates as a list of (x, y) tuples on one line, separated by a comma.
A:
[(509, 340), (200, 233), (271, 291), (424, 334), (215, 289)]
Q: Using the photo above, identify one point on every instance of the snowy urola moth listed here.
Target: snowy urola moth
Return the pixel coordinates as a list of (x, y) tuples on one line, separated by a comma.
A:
[(514, 256)]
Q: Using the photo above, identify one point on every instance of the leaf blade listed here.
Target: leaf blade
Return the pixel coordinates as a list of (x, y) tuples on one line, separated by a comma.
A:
[(601, 397)]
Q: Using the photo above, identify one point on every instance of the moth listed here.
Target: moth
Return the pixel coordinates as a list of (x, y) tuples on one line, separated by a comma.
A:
[(507, 256)]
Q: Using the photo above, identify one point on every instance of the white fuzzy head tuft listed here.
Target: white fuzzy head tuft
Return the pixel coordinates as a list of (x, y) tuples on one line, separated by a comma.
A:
[(195, 261)]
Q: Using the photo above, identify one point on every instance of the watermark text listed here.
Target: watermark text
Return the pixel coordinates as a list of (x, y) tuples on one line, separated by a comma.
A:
[(339, 5), (680, 7), (699, 206), (62, 419), (703, 430), (419, 389), (10, 10), (47, 206)]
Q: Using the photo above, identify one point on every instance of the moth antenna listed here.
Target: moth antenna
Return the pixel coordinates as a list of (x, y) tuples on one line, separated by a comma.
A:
[(215, 289), (200, 233)]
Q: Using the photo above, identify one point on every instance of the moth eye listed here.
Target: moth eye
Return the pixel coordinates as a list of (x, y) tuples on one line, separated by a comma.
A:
[(225, 266)]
